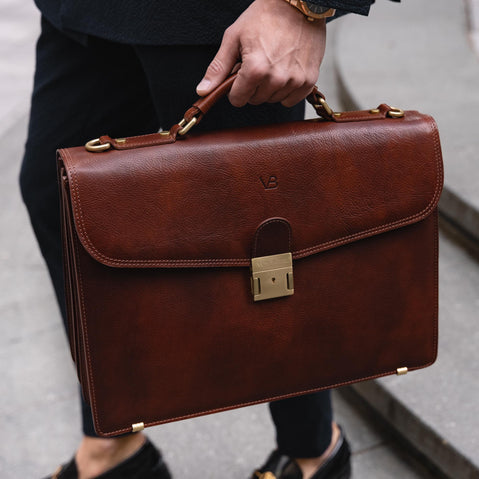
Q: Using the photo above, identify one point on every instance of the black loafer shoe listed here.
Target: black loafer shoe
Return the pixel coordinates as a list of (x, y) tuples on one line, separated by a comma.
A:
[(337, 465), (146, 463)]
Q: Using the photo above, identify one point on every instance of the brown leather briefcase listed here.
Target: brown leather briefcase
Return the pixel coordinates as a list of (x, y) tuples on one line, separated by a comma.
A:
[(216, 270)]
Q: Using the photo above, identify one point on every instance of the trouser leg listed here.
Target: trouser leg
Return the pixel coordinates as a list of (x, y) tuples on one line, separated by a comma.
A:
[(303, 424)]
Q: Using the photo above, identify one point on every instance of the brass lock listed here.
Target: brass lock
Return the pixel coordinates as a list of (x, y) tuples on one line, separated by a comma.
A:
[(272, 276)]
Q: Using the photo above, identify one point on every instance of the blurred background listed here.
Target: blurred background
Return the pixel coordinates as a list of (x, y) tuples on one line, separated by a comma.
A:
[(419, 54)]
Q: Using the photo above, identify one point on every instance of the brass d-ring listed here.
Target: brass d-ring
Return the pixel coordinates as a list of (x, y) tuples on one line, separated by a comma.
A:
[(186, 127), (96, 146), (395, 113), (326, 107)]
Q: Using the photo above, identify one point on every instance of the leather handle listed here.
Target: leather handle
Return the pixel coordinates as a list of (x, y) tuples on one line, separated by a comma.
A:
[(191, 117), (204, 104)]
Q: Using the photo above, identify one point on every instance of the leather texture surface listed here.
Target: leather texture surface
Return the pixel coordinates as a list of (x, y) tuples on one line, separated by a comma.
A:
[(158, 242)]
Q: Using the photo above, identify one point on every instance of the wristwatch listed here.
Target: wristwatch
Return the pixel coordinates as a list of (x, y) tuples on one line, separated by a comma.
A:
[(312, 11)]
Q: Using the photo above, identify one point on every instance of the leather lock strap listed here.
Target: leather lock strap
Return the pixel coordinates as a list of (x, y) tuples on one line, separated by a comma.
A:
[(272, 261), (204, 104)]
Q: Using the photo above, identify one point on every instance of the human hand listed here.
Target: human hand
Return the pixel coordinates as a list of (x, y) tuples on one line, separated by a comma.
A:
[(278, 53)]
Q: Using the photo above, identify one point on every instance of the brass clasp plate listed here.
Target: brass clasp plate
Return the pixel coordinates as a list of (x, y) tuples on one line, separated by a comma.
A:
[(272, 276)]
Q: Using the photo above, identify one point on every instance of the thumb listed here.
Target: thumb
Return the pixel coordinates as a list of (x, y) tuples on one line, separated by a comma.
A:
[(221, 65)]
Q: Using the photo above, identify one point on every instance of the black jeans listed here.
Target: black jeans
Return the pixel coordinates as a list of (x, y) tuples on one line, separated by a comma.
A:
[(81, 92)]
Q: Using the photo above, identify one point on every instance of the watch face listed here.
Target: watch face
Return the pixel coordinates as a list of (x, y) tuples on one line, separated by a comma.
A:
[(316, 8)]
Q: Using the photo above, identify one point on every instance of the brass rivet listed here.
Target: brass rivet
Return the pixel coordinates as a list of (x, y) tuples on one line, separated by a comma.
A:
[(139, 426), (401, 371), (374, 110)]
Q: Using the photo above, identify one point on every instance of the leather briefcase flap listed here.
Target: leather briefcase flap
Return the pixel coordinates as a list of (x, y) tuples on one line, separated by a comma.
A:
[(198, 202)]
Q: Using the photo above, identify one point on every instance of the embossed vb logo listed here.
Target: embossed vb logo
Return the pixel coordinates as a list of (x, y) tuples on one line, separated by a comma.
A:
[(270, 183)]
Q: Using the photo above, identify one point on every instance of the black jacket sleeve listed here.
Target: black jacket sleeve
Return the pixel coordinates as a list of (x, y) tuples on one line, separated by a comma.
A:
[(349, 6), (165, 22)]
